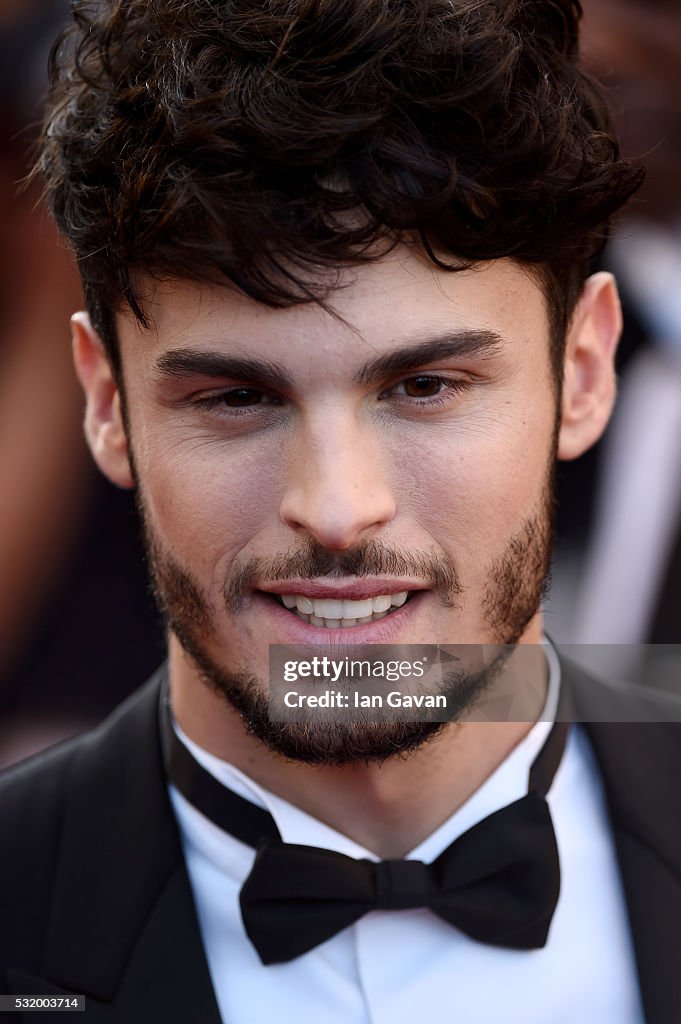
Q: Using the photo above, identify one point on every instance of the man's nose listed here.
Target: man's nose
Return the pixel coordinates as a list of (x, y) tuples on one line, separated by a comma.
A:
[(337, 486)]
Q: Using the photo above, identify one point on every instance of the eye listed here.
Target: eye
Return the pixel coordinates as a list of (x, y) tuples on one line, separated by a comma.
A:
[(431, 389), (241, 397), (236, 401), (422, 387)]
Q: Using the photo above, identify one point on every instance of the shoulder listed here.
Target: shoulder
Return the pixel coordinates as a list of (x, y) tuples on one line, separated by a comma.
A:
[(53, 797), (33, 791), (593, 699), (635, 734), (32, 797)]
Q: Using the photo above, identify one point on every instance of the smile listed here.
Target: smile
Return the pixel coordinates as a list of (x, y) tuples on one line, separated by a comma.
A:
[(332, 613)]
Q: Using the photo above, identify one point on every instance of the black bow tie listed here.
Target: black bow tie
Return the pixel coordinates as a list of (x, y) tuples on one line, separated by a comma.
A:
[(498, 882)]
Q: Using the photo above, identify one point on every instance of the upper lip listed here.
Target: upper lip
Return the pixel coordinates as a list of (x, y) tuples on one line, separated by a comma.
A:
[(353, 590)]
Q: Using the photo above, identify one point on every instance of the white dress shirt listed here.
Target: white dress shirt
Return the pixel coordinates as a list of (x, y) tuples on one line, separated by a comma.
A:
[(398, 967)]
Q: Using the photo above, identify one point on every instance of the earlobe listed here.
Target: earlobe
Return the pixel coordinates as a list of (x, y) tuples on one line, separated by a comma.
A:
[(590, 384), (104, 426)]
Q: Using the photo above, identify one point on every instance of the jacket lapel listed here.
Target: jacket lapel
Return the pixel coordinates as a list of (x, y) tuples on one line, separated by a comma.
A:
[(123, 927), (638, 750), (165, 979)]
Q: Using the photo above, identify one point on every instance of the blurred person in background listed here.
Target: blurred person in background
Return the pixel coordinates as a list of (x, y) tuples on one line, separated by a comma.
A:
[(72, 579), (628, 584)]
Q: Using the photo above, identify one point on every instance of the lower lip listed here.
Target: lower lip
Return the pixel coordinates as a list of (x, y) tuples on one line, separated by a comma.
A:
[(291, 629)]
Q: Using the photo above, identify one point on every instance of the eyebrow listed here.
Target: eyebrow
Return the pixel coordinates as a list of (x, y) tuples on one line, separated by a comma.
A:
[(186, 362), (462, 344)]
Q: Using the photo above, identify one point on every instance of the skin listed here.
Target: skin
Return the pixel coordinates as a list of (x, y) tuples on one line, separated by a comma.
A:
[(332, 464)]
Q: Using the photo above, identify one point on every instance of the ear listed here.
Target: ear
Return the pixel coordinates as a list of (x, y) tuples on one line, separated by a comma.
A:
[(590, 384), (104, 428)]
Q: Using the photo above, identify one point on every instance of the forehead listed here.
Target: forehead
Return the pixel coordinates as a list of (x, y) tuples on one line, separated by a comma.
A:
[(398, 299)]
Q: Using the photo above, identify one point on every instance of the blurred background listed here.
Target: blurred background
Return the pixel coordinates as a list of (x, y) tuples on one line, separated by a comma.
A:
[(78, 628), (617, 573)]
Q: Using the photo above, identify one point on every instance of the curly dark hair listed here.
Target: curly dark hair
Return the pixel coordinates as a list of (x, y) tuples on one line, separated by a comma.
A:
[(266, 142)]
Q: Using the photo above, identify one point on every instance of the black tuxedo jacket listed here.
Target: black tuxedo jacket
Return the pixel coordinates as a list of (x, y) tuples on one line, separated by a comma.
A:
[(95, 897)]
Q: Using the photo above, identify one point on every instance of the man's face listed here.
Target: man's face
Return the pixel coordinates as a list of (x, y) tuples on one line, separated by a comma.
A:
[(405, 449)]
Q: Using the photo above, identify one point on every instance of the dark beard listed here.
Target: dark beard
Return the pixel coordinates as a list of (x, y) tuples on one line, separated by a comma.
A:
[(342, 741), (516, 585)]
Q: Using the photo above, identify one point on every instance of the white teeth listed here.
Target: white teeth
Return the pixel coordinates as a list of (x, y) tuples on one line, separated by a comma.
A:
[(343, 613), (327, 608), (357, 609)]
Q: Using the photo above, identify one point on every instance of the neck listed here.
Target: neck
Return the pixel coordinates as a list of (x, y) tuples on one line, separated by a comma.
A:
[(385, 807)]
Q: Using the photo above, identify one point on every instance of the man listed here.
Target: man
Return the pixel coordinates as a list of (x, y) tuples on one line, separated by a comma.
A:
[(338, 330)]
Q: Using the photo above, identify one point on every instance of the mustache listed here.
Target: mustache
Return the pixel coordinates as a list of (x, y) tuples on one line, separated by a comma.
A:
[(314, 561)]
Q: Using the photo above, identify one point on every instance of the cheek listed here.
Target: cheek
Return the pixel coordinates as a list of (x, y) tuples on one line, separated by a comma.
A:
[(472, 487), (208, 501)]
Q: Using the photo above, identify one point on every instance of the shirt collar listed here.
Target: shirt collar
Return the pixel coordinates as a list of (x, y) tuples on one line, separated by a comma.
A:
[(507, 783)]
